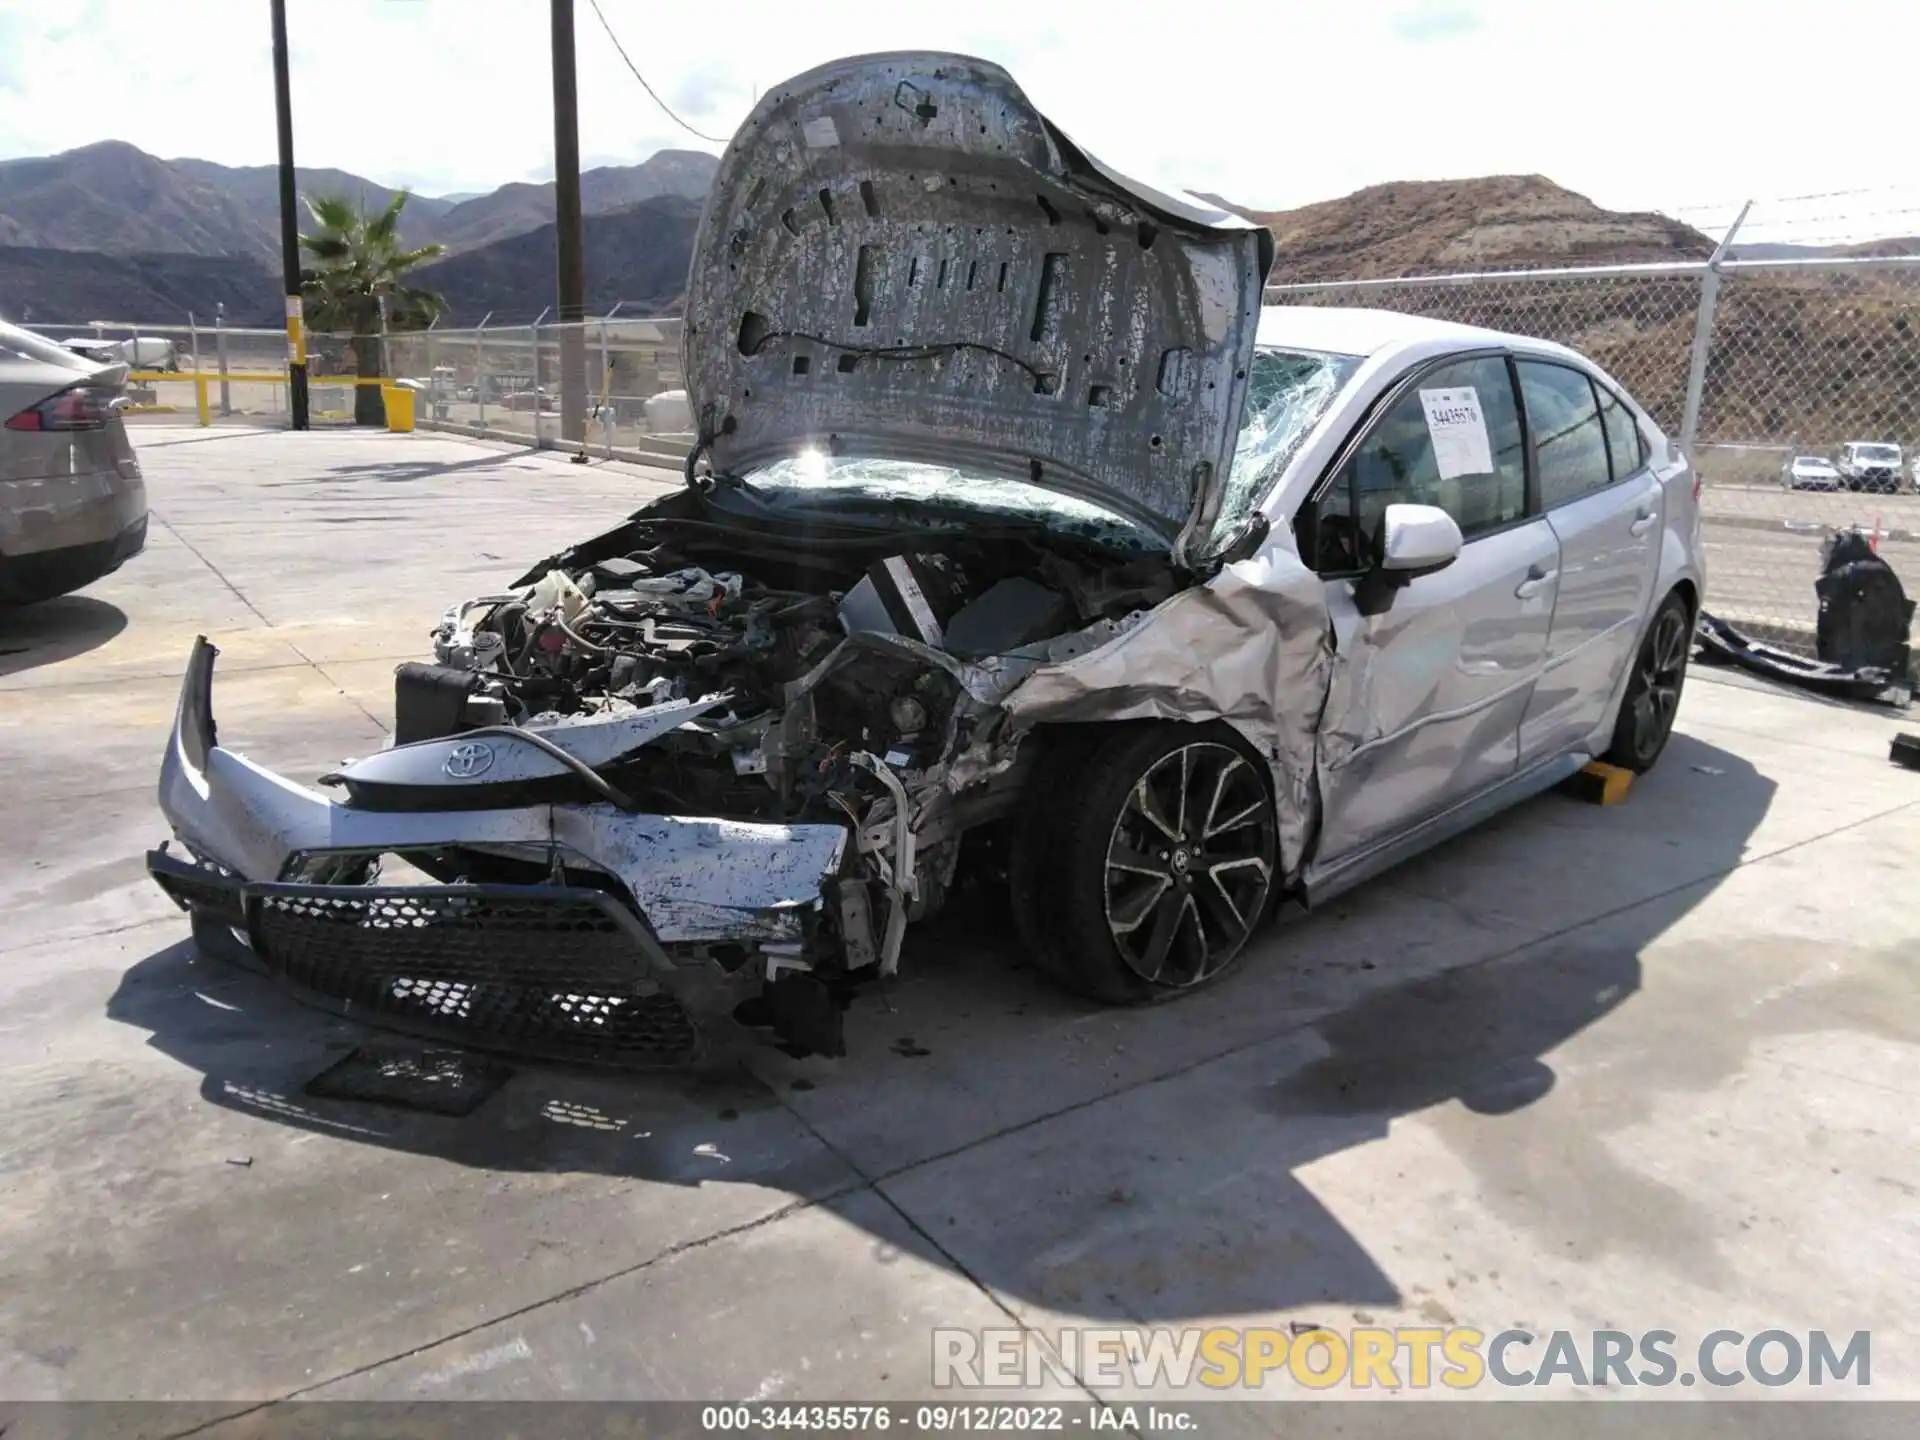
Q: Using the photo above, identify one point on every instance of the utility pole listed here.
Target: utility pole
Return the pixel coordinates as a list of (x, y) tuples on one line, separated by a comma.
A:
[(569, 263), (289, 225)]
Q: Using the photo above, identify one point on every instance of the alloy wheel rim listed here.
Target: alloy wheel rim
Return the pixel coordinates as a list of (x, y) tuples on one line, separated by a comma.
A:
[(1189, 863), (1662, 664)]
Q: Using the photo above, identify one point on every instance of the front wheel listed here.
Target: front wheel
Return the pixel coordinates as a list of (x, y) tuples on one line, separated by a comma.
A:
[(1653, 689), (1155, 869)]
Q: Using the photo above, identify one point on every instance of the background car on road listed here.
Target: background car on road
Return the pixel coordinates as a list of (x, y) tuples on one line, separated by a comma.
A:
[(1870, 466), (1809, 472), (73, 505)]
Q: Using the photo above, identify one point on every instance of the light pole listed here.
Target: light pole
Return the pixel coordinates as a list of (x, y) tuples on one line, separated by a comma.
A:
[(569, 266), (289, 224)]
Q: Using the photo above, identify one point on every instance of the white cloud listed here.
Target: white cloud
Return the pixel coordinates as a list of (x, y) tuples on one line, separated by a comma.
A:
[(1638, 103)]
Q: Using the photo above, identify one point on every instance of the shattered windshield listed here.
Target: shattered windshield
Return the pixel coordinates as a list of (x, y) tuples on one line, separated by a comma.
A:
[(814, 481), (1287, 393)]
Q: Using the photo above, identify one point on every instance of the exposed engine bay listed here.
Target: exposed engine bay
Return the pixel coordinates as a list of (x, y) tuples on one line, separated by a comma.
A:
[(847, 675)]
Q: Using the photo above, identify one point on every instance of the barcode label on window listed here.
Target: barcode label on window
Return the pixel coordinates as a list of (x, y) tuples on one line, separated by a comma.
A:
[(1459, 431)]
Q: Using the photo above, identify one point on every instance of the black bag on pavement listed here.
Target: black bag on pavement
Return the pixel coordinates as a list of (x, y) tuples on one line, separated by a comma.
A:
[(1865, 615)]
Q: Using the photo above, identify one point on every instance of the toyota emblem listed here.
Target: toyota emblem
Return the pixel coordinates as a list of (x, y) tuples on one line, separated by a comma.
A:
[(468, 760)]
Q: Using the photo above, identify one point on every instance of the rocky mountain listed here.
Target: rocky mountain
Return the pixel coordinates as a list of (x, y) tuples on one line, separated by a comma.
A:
[(636, 257), (1499, 222), (519, 208), (73, 287), (255, 189), (117, 199)]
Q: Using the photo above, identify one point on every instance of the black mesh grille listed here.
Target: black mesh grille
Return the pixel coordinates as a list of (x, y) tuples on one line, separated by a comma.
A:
[(554, 972)]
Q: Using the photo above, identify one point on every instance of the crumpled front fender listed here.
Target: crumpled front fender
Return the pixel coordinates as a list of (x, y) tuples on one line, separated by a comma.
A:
[(1252, 647)]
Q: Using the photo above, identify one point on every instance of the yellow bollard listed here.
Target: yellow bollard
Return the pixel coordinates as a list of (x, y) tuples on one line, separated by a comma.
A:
[(200, 399), (399, 408)]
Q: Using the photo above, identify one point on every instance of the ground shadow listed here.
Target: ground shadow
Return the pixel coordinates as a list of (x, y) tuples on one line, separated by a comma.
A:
[(406, 472), (163, 437), (966, 1086), (54, 630)]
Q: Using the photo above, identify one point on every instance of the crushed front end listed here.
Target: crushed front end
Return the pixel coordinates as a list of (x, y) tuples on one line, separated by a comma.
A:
[(694, 771)]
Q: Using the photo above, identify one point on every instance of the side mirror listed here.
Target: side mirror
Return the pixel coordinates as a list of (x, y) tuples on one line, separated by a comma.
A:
[(1415, 540), (1418, 539)]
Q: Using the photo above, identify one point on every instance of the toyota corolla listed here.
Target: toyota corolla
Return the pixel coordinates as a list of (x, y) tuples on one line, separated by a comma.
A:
[(1020, 542)]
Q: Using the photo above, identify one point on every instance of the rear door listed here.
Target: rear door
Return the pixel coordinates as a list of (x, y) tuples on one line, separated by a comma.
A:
[(1425, 704), (1600, 495)]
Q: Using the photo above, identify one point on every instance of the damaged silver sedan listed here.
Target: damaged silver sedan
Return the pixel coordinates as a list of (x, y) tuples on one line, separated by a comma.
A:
[(1020, 545)]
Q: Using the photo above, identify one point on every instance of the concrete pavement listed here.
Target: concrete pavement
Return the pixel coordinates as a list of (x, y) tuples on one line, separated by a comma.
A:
[(1652, 1066)]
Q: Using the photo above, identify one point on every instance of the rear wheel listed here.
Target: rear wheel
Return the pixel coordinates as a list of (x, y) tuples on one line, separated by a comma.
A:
[(1157, 868), (1653, 690)]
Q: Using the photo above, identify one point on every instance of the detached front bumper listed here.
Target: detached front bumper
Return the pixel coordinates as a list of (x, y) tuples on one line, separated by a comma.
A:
[(567, 970)]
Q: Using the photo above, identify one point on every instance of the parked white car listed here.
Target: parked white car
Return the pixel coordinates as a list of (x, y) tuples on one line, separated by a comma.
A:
[(1871, 466), (1809, 472)]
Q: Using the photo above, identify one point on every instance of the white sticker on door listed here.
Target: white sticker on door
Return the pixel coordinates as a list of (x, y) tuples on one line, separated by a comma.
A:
[(1459, 431)]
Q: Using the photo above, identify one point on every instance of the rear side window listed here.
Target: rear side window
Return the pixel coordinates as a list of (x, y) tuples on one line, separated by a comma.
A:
[(1625, 448), (1569, 443)]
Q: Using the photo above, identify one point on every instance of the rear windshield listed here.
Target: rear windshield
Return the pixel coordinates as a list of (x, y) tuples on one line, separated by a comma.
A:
[(18, 344)]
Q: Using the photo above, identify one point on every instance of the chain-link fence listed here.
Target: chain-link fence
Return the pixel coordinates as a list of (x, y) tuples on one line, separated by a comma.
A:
[(242, 371), (1796, 382), (505, 382)]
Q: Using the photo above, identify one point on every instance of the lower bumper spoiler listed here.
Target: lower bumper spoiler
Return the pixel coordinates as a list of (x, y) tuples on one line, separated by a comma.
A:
[(560, 972)]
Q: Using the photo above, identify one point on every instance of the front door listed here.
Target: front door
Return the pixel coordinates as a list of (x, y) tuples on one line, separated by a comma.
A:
[(1426, 699), (1604, 503)]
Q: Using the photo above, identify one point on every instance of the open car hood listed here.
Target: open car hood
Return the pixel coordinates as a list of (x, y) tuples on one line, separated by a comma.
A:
[(901, 257)]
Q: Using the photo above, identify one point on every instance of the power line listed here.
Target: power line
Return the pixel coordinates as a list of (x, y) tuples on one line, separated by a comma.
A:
[(710, 139)]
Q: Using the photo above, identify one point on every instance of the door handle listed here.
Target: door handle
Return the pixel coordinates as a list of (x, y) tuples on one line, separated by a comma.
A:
[(1536, 581), (1642, 523)]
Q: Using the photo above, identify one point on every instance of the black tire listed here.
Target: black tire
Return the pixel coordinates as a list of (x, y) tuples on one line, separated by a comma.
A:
[(1149, 864), (1653, 689), (1032, 868)]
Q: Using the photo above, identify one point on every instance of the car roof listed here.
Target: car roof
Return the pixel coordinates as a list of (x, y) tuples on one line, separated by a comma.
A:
[(1345, 330)]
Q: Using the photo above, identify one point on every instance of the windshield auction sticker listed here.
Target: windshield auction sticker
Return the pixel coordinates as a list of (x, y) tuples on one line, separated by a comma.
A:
[(1459, 431)]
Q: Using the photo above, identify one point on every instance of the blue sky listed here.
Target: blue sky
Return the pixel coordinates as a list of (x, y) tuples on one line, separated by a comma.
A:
[(1637, 103)]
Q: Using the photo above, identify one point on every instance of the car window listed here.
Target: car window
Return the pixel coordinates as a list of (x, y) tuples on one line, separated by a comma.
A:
[(1453, 439), (1625, 448), (1287, 393), (1569, 445)]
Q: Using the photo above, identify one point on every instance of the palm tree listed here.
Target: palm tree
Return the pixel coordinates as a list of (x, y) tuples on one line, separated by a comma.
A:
[(358, 265)]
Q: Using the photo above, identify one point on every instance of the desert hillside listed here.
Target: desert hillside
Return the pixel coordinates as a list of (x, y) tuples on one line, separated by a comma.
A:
[(1498, 222)]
